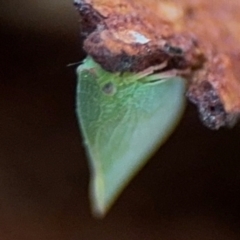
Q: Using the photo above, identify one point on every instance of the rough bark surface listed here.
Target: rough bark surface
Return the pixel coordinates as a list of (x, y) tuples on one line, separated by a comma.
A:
[(198, 39)]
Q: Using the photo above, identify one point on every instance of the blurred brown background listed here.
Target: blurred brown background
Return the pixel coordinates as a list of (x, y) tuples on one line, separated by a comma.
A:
[(189, 190)]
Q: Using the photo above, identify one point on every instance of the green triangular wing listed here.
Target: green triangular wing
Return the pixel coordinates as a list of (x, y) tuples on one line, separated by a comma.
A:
[(122, 125)]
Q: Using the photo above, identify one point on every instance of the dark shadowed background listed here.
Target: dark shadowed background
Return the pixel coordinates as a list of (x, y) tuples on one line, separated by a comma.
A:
[(189, 190)]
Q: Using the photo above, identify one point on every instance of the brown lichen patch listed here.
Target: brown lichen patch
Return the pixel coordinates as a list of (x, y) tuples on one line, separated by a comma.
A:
[(131, 37), (223, 89), (90, 18), (216, 25), (215, 92), (211, 109), (200, 36)]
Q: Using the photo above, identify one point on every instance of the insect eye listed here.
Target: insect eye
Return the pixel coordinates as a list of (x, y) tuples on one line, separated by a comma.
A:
[(109, 88)]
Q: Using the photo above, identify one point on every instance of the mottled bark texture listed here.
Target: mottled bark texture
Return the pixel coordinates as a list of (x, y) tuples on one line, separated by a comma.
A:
[(198, 39)]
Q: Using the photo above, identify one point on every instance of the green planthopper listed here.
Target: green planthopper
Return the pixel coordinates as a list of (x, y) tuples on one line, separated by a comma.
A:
[(124, 118)]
